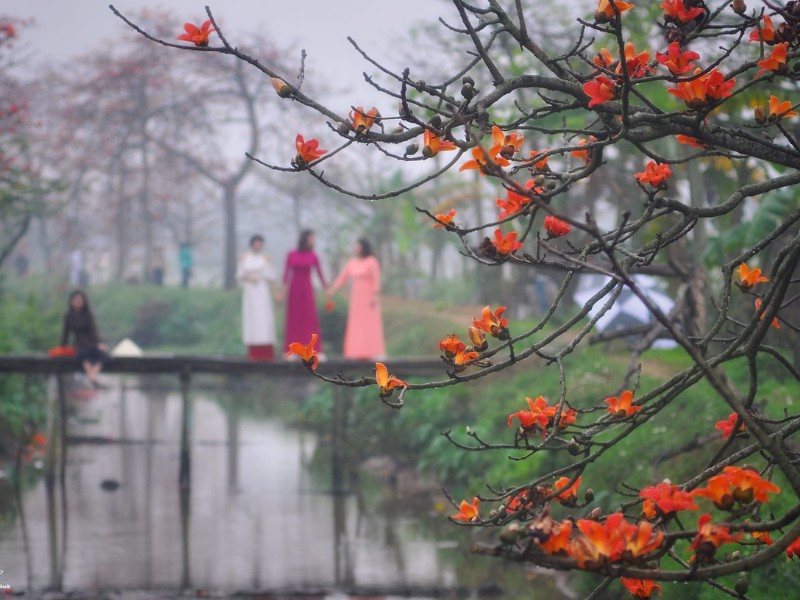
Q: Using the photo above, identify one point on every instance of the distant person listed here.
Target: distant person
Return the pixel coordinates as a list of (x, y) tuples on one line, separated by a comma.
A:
[(257, 276), (302, 319), (157, 266), (21, 264), (363, 337), (185, 258), (79, 324)]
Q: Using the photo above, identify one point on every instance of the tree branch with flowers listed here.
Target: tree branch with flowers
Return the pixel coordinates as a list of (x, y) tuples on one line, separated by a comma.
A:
[(703, 83)]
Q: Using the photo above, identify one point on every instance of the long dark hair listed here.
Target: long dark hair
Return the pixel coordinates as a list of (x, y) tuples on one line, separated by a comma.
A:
[(366, 247), (303, 242), (85, 308)]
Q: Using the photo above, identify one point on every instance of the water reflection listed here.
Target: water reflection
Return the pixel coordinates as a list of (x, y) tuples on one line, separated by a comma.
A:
[(255, 516)]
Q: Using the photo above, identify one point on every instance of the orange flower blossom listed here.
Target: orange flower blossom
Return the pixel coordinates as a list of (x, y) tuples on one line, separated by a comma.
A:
[(775, 62), (778, 110), (444, 219), (467, 512), (451, 345), (749, 277), (504, 145), (306, 353), (516, 199), (493, 323), (432, 144), (690, 141), (676, 61), (537, 416), (766, 33), (655, 174), (478, 338), (636, 64), (564, 492), (483, 162), (557, 541), (622, 407), (307, 151), (362, 121), (736, 484), (665, 499), (612, 540), (793, 549), (710, 537), (775, 323), (677, 11), (537, 161), (640, 588), (584, 155), (699, 91), (386, 382), (606, 11), (506, 244), (555, 227), (727, 426), (600, 89), (762, 537), (197, 35), (463, 359)]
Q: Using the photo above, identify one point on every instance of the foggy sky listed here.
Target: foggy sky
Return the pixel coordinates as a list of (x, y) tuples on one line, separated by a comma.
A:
[(67, 28)]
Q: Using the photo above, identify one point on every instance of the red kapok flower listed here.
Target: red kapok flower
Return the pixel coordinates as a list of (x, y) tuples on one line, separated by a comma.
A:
[(483, 161), (655, 174), (387, 383), (699, 91), (307, 151), (516, 199), (749, 277), (748, 485), (306, 353), (467, 512), (566, 492), (197, 35), (451, 345), (778, 110), (727, 426), (766, 33), (775, 62), (478, 338), (556, 538), (775, 323), (676, 61), (640, 588), (584, 155), (504, 145), (606, 10), (600, 89), (690, 141), (444, 219), (636, 63), (463, 359), (665, 499), (432, 144), (493, 323), (710, 537), (362, 121), (555, 227), (622, 407), (537, 416), (677, 11), (506, 244), (793, 549)]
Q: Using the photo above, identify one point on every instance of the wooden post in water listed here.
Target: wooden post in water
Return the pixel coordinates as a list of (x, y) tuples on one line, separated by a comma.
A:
[(233, 443), (338, 441), (185, 474)]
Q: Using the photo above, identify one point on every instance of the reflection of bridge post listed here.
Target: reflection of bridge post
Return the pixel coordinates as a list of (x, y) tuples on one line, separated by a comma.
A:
[(184, 474), (233, 443), (53, 417), (339, 441)]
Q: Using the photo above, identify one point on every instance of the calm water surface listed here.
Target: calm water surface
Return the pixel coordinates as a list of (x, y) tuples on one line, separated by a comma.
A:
[(260, 515)]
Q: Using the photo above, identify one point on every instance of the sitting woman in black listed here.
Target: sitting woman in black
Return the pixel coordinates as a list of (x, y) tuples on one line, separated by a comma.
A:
[(79, 321)]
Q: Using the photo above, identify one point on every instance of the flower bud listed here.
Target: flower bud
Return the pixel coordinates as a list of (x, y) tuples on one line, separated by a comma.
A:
[(742, 585), (595, 514), (468, 92), (510, 533), (760, 115), (739, 7), (589, 495), (467, 80), (281, 87), (436, 122), (428, 152), (344, 128), (411, 149)]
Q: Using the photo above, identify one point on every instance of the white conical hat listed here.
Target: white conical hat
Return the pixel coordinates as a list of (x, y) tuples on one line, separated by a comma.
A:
[(126, 347)]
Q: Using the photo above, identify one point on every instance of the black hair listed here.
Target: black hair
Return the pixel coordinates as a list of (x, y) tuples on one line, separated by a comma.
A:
[(366, 247), (303, 242), (256, 238)]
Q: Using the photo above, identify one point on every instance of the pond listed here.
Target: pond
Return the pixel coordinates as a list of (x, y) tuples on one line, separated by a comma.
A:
[(259, 517)]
